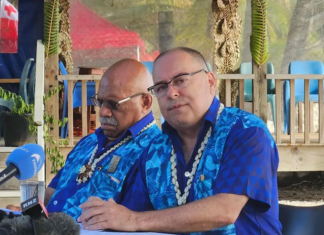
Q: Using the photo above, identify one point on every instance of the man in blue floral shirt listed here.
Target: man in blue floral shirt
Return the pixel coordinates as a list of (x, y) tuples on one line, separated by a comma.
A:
[(213, 171), (104, 163)]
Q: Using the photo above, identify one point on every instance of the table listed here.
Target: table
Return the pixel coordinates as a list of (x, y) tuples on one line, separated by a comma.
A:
[(101, 232)]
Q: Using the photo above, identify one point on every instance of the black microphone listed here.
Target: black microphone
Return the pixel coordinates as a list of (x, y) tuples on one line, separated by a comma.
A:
[(24, 162), (36, 210), (57, 224)]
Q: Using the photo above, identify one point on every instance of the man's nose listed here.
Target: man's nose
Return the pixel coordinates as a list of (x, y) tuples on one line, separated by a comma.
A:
[(172, 92), (105, 112)]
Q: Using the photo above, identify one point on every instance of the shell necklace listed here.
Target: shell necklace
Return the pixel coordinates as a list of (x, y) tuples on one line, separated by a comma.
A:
[(173, 159), (87, 170)]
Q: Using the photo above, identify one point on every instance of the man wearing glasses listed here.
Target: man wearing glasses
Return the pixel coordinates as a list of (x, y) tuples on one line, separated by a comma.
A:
[(105, 162), (214, 170)]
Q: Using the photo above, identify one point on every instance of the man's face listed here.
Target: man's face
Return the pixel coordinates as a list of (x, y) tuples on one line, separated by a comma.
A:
[(184, 108), (115, 121)]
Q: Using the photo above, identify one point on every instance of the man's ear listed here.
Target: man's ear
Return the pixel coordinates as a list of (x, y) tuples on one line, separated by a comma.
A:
[(147, 101), (212, 82)]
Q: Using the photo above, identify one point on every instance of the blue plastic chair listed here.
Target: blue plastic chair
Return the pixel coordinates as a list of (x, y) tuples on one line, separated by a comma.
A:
[(301, 220), (149, 65), (8, 104), (301, 67), (246, 68), (77, 97)]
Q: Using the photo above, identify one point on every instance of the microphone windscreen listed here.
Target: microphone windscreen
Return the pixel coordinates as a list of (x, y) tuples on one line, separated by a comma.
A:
[(18, 226), (62, 223), (28, 158), (57, 224)]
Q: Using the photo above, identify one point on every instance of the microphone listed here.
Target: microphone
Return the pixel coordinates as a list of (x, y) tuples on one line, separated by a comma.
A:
[(57, 224), (24, 162)]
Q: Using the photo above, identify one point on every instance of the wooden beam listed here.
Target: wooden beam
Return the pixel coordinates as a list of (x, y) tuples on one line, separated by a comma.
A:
[(228, 94), (260, 91), (311, 116), (51, 105), (300, 118), (10, 80), (295, 76), (278, 113), (301, 158), (70, 112), (79, 77), (235, 76), (241, 93), (97, 109), (84, 108), (306, 111), (321, 111), (292, 111)]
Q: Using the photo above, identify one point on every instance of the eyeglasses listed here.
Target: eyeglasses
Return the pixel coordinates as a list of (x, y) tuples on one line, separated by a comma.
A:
[(111, 104), (178, 82)]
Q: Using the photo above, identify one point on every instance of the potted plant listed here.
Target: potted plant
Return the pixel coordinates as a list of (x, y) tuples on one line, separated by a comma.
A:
[(19, 126)]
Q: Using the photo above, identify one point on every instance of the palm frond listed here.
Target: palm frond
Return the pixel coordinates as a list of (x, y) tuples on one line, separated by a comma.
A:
[(259, 38), (51, 27)]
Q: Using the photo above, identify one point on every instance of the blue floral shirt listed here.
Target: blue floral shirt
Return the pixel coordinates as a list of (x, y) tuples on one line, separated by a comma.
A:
[(103, 183), (248, 166)]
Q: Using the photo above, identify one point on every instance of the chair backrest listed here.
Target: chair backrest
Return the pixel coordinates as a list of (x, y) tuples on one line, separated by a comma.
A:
[(246, 68), (298, 220), (23, 80), (149, 65), (31, 85), (306, 67)]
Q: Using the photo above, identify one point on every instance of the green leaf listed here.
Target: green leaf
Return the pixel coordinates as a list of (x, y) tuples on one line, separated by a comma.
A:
[(51, 27), (259, 39)]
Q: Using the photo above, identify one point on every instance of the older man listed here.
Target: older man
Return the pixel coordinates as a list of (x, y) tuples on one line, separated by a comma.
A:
[(103, 163), (214, 167)]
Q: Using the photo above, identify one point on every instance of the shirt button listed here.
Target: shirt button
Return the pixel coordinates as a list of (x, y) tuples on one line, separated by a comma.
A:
[(187, 174), (55, 203)]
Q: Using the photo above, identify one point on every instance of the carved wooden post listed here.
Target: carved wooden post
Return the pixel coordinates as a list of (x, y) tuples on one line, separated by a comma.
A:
[(260, 91), (166, 31), (51, 105)]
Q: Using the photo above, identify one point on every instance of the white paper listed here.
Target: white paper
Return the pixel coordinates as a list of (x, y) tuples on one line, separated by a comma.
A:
[(102, 232)]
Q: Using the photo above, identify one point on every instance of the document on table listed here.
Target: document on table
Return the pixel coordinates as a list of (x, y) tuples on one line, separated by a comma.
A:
[(102, 232)]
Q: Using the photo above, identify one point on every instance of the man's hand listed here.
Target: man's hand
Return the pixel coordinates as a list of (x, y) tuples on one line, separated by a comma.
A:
[(13, 208), (98, 214)]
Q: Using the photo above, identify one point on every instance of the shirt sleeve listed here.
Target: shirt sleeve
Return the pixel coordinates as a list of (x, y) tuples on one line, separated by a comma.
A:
[(135, 193), (55, 180), (249, 165)]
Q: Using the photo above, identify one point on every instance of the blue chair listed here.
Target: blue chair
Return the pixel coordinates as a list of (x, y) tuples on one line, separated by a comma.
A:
[(77, 97), (246, 68), (22, 86), (297, 220), (8, 104), (301, 67), (149, 65)]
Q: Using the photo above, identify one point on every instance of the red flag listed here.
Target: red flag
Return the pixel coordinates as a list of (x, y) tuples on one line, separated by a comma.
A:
[(8, 27)]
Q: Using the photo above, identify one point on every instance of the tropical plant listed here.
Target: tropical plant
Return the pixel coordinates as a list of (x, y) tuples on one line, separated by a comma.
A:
[(51, 27), (259, 39), (22, 108)]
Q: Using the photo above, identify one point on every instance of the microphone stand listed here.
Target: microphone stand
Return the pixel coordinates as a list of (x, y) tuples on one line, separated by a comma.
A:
[(36, 225), (35, 209)]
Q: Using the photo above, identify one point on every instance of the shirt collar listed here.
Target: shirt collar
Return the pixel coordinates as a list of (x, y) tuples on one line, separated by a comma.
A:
[(210, 118), (133, 130)]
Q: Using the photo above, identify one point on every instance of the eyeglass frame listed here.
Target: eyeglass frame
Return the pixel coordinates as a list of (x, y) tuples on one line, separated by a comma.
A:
[(170, 82), (115, 104)]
